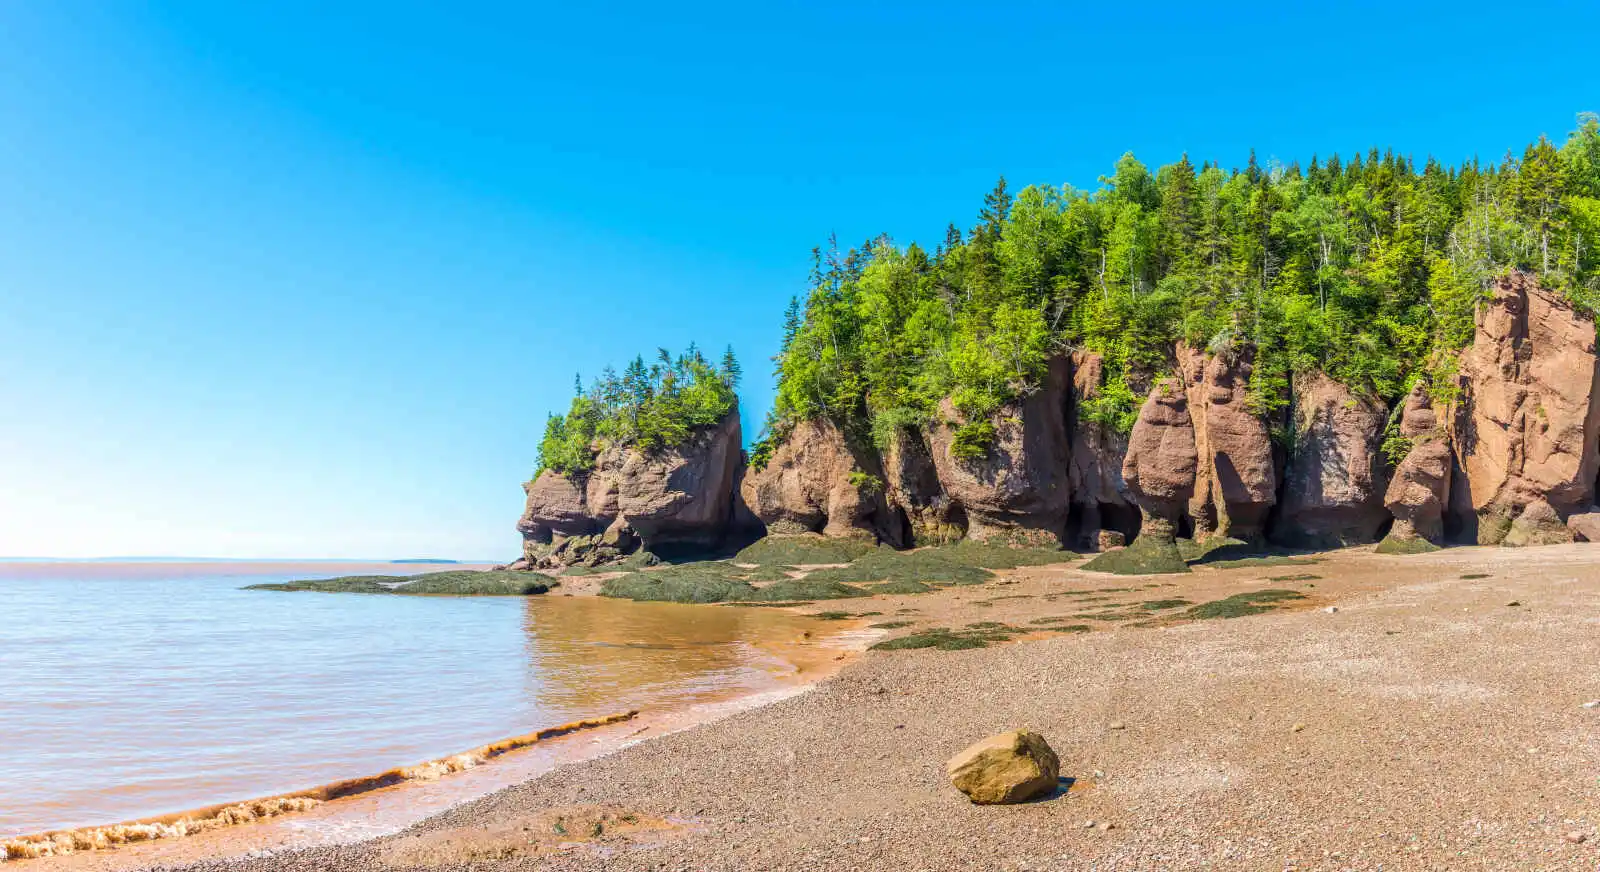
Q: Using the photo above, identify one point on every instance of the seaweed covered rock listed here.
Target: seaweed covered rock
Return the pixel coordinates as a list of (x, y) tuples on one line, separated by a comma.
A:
[(1018, 489), (1159, 472), (1527, 420), (1420, 487), (816, 481), (1334, 481), (1101, 509), (663, 499), (1236, 483)]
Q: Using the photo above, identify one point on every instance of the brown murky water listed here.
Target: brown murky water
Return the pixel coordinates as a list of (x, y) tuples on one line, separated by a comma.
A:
[(150, 690)]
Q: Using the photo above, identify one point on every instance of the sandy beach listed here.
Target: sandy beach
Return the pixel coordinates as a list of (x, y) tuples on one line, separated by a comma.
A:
[(1434, 719)]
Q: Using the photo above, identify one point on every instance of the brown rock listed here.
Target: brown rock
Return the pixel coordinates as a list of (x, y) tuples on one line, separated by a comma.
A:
[(679, 496), (1585, 526), (1235, 482), (1334, 480), (674, 497), (1420, 487), (914, 489), (1100, 502), (1537, 525), (1019, 491), (1159, 468), (816, 481), (1527, 420), (1008, 768)]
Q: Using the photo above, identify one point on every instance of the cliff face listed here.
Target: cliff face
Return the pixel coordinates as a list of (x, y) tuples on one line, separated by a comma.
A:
[(818, 482), (1512, 460), (1335, 476), (1101, 508), (1235, 482), (673, 498), (915, 492), (1526, 422), (1019, 490)]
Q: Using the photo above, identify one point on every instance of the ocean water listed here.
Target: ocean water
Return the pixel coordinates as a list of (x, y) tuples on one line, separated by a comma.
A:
[(133, 690)]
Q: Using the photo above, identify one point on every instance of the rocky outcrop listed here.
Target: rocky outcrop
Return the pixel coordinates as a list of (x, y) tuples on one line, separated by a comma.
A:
[(1420, 487), (1007, 768), (1585, 526), (1236, 483), (1159, 472), (818, 482), (1527, 420), (1334, 481), (1019, 490), (675, 498), (1101, 510), (914, 490)]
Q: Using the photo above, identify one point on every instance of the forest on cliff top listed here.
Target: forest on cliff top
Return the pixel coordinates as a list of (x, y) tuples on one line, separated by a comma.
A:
[(1365, 268)]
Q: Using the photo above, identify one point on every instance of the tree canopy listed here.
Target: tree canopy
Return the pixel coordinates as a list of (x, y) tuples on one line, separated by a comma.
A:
[(1366, 268), (648, 406)]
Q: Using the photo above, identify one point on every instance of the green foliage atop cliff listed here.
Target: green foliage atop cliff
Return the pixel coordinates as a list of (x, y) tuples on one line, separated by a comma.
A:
[(648, 406), (1362, 266)]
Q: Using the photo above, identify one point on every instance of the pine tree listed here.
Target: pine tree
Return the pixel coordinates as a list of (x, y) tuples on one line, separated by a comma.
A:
[(731, 371), (996, 209)]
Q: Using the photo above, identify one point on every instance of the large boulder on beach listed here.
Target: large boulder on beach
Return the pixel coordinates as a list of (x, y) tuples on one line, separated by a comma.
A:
[(1236, 482), (662, 499), (1527, 421), (818, 481), (1334, 482), (1007, 768), (1018, 490)]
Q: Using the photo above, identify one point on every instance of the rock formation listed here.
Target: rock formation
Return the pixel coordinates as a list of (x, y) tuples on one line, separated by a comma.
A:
[(1334, 479), (1018, 491), (1235, 482), (1007, 768), (914, 490), (1159, 472), (1526, 424), (817, 482), (1420, 488), (1513, 460), (1101, 510), (672, 498)]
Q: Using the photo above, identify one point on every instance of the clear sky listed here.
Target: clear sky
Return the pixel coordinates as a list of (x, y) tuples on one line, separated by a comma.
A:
[(277, 280)]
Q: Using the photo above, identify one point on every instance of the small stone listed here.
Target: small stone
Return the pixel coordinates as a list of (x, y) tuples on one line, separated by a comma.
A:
[(1107, 827), (1099, 774), (1088, 825), (1297, 728), (1576, 837), (1332, 610), (1118, 725), (1593, 703), (1513, 604)]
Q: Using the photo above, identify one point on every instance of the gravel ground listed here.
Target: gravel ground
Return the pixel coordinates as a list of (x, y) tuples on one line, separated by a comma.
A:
[(1428, 723)]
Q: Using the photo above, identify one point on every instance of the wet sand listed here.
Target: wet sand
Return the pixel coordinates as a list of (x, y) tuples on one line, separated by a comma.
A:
[(1431, 722)]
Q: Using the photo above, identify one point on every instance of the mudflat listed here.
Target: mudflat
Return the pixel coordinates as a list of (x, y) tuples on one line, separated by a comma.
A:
[(1434, 720)]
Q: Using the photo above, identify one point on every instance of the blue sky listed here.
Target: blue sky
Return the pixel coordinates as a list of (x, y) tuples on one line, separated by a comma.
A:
[(280, 281)]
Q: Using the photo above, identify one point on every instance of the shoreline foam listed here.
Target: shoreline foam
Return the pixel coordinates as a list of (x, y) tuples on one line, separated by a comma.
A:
[(180, 824), (125, 845)]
